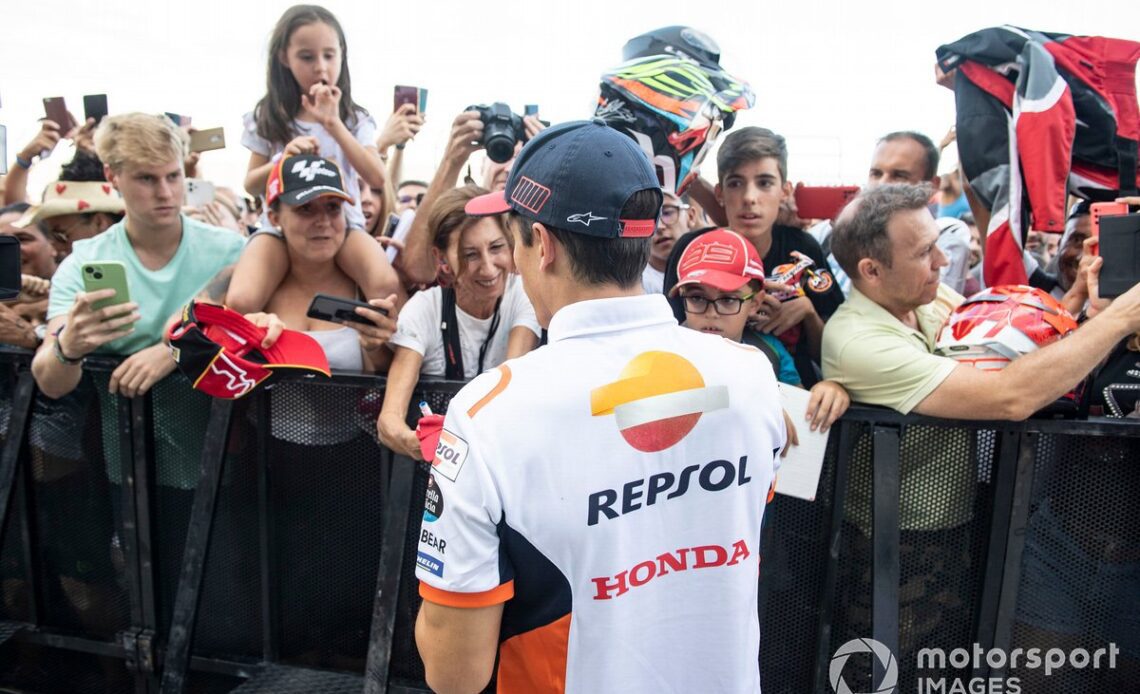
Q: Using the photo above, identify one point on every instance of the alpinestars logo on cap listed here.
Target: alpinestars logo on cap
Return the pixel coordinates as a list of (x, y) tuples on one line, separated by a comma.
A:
[(309, 170), (584, 218)]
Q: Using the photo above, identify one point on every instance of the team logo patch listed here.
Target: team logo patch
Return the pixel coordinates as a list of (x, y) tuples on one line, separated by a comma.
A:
[(429, 563), (657, 400), (820, 282), (433, 501), (449, 455)]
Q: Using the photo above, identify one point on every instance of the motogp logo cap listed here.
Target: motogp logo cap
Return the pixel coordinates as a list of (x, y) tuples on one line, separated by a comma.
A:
[(577, 176)]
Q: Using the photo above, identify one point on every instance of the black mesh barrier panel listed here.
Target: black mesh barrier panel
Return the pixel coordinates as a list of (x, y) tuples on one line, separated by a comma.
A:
[(79, 557), (326, 477), (791, 575), (1080, 570), (406, 664), (945, 510), (229, 611), (31, 668), (15, 596)]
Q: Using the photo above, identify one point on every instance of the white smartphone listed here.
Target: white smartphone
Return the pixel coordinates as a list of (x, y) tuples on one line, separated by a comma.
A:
[(198, 193)]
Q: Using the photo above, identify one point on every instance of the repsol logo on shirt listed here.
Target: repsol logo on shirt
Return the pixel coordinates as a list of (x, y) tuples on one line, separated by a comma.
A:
[(682, 559), (714, 476)]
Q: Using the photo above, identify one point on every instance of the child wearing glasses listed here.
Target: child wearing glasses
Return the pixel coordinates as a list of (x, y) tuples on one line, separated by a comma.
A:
[(721, 284)]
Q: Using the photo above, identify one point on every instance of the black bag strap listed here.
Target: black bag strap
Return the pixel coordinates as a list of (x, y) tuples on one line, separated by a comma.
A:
[(449, 325)]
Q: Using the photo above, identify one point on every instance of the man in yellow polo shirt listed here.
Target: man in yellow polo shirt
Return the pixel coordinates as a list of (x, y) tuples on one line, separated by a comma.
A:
[(879, 346)]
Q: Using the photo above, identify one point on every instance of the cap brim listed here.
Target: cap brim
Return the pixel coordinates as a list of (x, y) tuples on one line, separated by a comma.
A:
[(296, 350), (300, 197), (489, 204), (724, 281)]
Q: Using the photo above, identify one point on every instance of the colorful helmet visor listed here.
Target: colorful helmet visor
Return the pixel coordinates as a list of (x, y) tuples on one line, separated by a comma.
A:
[(674, 108)]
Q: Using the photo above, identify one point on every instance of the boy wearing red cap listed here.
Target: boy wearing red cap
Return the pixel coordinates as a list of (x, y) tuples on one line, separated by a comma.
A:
[(721, 284)]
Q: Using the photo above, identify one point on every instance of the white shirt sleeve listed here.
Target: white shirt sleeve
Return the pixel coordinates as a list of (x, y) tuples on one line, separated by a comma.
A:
[(417, 326), (251, 140), (519, 311), (459, 549), (365, 130)]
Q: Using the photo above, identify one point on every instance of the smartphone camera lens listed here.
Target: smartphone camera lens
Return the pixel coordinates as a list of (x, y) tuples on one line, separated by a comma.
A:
[(89, 270), (98, 275)]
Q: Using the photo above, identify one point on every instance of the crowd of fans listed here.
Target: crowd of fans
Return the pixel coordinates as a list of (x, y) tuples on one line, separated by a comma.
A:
[(861, 326)]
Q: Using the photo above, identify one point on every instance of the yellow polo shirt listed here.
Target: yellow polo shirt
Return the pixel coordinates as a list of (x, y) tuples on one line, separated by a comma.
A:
[(882, 361)]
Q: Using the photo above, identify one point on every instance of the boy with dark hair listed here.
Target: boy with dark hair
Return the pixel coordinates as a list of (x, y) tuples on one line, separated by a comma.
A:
[(752, 165)]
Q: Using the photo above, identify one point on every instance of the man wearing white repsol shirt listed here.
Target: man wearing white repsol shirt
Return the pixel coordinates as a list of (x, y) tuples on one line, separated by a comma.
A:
[(595, 506)]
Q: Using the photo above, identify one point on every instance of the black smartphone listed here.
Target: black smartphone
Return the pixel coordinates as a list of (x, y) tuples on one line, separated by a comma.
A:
[(10, 279), (95, 106), (336, 309), (1120, 248)]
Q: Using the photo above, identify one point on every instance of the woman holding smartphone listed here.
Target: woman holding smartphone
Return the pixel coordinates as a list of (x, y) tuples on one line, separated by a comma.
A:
[(306, 199), (477, 319)]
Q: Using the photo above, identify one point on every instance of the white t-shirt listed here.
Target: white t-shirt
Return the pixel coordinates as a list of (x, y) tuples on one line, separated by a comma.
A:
[(419, 328), (364, 130), (652, 281), (609, 488)]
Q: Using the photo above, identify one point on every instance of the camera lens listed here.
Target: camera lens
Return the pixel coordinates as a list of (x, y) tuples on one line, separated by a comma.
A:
[(98, 275), (500, 148), (89, 270)]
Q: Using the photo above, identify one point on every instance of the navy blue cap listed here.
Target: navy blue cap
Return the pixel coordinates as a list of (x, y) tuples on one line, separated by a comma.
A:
[(577, 176)]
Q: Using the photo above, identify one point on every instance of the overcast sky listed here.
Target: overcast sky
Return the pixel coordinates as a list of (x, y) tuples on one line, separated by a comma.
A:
[(831, 76)]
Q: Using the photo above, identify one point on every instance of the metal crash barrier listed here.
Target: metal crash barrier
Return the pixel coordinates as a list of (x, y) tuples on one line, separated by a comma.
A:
[(176, 543)]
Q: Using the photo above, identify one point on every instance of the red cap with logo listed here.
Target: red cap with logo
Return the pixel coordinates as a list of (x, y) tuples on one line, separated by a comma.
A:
[(721, 259), (221, 353)]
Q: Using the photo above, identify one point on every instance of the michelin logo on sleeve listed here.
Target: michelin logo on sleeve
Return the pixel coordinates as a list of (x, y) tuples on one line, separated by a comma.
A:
[(429, 563), (449, 455)]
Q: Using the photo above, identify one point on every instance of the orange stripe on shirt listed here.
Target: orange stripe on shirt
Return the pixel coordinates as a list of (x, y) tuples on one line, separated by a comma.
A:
[(504, 381), (498, 594), (534, 662)]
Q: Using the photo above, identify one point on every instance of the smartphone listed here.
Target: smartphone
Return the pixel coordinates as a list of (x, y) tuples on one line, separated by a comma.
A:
[(106, 274), (180, 121), (406, 95), (1120, 247), (56, 110), (206, 140), (530, 110), (198, 193), (1103, 209), (335, 309), (823, 202), (422, 91), (10, 279), (94, 106)]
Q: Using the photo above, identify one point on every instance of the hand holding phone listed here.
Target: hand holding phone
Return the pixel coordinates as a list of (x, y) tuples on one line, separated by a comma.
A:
[(56, 110), (106, 274), (403, 94), (206, 140), (95, 106), (336, 309)]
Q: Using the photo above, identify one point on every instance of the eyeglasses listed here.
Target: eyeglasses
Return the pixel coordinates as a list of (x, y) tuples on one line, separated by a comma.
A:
[(725, 305), (64, 235), (406, 199), (669, 213)]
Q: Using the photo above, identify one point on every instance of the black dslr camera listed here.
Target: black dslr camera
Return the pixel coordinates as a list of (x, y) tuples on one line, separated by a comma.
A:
[(502, 128)]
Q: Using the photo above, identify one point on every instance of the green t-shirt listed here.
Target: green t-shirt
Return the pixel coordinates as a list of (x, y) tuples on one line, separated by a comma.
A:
[(203, 251), (882, 361)]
